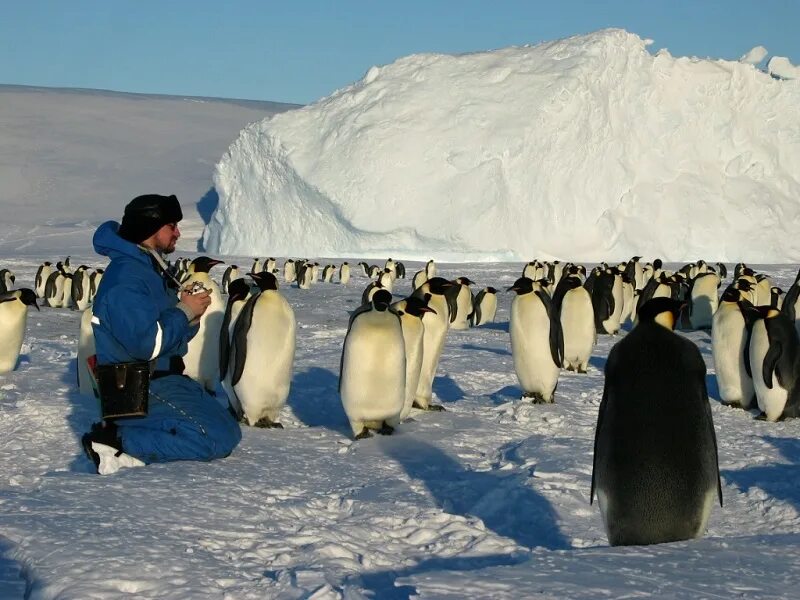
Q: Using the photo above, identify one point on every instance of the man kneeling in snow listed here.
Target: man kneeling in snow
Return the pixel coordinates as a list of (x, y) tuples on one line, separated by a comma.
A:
[(139, 323)]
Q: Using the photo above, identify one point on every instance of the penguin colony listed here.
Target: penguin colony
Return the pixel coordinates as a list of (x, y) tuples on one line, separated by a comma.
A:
[(655, 479)]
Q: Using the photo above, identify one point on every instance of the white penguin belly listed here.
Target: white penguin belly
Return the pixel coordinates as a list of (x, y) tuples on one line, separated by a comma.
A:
[(577, 323), (488, 309), (267, 376), (728, 337), (464, 304), (13, 319), (530, 346), (433, 340), (373, 369), (201, 360), (770, 401), (413, 331)]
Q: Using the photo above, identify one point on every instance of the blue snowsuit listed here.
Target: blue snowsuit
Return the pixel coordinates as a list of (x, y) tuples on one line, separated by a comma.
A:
[(136, 319)]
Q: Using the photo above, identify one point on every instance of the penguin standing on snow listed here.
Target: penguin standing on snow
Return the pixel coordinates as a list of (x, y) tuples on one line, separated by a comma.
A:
[(573, 306), (262, 355), (239, 292), (201, 361), (484, 307), (13, 318), (728, 344), (373, 368), (80, 290), (344, 273), (655, 452), (289, 271), (42, 274), (411, 310), (436, 326), (463, 295), (537, 343), (703, 300), (94, 282), (231, 274), (607, 301), (773, 354), (54, 288)]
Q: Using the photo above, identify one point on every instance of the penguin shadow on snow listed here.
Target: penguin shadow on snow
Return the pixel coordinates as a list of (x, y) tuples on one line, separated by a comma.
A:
[(84, 411), (12, 579), (712, 387), (503, 395), (598, 362), (500, 351), (446, 389), (501, 326), (781, 481), (314, 399), (503, 500)]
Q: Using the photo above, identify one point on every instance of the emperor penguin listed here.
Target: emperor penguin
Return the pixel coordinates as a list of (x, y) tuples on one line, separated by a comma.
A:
[(655, 468), (773, 359), (256, 267), (81, 288), (94, 283), (86, 349), (573, 305), (484, 307), (776, 297), (391, 266), (327, 273), (419, 278), (231, 274), (289, 271), (436, 325), (305, 275), (430, 269), (66, 298), (239, 291), (13, 319), (370, 290), (728, 344), (7, 279), (364, 267), (635, 273), (411, 310), (374, 271), (763, 290), (723, 270), (54, 288), (400, 269), (373, 368), (703, 300), (628, 299), (537, 343), (42, 274), (269, 265), (314, 272), (386, 279), (463, 303), (344, 273), (607, 301), (201, 360), (262, 351)]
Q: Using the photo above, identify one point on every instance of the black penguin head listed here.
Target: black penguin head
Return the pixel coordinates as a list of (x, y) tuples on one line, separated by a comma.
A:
[(439, 285), (465, 281), (571, 282), (100, 270), (345, 263), (636, 258), (417, 307), (27, 297), (381, 300), (523, 285), (663, 311), (234, 267), (265, 281), (203, 264), (731, 294), (491, 290), (744, 285), (657, 263), (238, 289)]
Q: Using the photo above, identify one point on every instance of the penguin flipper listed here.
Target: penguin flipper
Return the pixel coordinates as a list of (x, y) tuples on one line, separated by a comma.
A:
[(770, 363), (600, 414), (240, 331), (451, 295), (790, 300), (712, 432), (225, 342), (746, 351)]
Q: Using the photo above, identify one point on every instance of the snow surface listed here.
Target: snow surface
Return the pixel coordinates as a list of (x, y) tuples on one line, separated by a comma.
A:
[(587, 148), (487, 500)]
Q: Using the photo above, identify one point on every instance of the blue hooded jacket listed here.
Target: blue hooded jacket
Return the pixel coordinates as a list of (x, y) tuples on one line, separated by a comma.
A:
[(135, 318)]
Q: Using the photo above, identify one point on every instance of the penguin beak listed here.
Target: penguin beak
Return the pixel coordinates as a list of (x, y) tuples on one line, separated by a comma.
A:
[(427, 309), (513, 288), (214, 262)]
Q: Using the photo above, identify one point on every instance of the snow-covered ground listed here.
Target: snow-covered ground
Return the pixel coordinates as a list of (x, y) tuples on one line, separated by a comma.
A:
[(487, 500)]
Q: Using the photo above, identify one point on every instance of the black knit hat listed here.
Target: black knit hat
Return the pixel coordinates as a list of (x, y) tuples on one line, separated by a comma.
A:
[(144, 215)]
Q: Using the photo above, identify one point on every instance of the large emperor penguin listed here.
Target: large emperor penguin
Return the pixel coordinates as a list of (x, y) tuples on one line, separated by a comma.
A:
[(729, 336), (484, 307), (537, 343), (573, 305), (774, 352), (460, 320), (436, 325), (327, 273), (344, 273), (411, 310), (256, 267), (239, 291), (231, 274), (86, 349), (262, 351), (269, 265), (54, 288), (42, 274), (201, 360), (81, 288), (13, 318), (373, 368), (791, 303), (655, 468), (703, 300)]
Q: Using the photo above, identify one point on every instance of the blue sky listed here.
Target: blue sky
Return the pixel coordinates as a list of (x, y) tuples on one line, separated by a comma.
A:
[(301, 50)]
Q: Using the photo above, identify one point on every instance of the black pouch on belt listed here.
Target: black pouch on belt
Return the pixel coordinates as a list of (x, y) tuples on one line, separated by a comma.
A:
[(124, 389)]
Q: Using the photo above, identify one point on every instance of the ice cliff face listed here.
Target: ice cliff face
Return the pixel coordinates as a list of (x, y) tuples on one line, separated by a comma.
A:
[(585, 148)]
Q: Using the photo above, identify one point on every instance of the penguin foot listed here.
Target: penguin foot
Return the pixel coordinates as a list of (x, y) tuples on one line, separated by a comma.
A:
[(265, 423), (570, 368), (365, 433), (386, 429), (418, 405), (436, 408), (582, 371), (762, 417)]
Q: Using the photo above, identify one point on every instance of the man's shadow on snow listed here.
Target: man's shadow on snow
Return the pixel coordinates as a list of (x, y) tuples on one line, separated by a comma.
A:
[(505, 502), (781, 481), (314, 399)]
